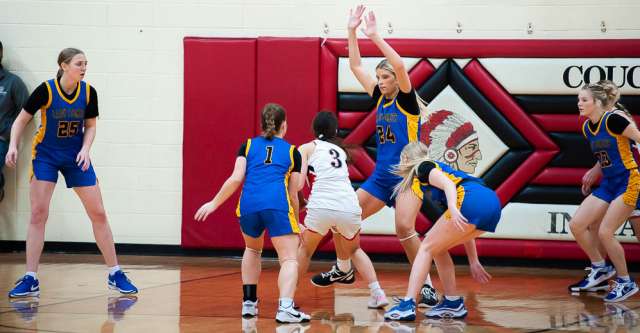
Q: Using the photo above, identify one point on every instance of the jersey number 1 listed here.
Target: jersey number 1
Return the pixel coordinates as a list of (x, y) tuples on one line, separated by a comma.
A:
[(268, 160)]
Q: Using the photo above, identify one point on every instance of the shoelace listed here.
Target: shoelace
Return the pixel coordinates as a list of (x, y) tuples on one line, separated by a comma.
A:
[(615, 286), (329, 273)]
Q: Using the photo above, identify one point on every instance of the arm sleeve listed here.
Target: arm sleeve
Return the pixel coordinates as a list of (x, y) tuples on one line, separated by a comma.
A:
[(243, 150), (617, 123), (297, 161), (409, 102), (92, 107), (424, 170), (38, 99), (376, 94)]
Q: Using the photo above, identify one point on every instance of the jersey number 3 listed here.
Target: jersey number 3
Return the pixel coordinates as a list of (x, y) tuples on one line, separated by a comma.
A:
[(336, 163)]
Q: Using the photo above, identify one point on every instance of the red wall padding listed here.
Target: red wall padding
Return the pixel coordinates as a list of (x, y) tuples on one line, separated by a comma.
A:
[(288, 74), (227, 82), (219, 103)]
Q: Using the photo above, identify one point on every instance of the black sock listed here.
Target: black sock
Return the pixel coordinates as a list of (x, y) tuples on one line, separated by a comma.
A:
[(250, 292)]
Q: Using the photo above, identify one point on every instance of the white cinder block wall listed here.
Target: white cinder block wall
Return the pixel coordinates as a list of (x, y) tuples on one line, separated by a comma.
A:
[(134, 48)]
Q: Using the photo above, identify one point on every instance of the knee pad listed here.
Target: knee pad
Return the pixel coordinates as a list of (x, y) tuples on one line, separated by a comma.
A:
[(414, 234)]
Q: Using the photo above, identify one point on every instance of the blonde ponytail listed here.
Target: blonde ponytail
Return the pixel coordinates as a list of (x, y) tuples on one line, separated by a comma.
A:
[(412, 155)]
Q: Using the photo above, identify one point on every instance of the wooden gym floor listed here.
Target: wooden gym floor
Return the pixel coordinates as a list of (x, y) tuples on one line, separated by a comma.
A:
[(196, 294)]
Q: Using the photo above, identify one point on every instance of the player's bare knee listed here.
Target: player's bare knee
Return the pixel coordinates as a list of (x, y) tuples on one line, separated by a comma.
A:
[(252, 251), (289, 261)]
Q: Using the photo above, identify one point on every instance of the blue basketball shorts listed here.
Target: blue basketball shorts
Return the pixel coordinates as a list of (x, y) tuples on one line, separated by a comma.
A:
[(48, 162), (277, 223)]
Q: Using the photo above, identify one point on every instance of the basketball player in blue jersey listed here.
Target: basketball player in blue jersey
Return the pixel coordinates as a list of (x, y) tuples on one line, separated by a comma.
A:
[(610, 137), (472, 209), (398, 110), (270, 167), (69, 109)]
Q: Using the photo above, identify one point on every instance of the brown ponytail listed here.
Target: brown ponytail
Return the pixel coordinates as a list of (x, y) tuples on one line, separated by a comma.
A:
[(272, 117)]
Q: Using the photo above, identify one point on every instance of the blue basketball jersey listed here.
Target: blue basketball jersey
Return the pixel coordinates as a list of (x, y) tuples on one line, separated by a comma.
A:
[(269, 165), (436, 194), (395, 127), (62, 124), (614, 152)]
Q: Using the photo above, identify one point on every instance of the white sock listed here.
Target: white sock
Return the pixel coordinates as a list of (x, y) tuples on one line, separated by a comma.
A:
[(452, 298), (624, 278), (114, 269), (344, 265), (598, 263), (375, 288), (285, 302), (32, 274), (428, 280)]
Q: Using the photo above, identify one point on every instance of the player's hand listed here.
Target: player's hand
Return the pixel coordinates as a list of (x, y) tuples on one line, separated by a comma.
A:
[(455, 217), (83, 160), (204, 211), (355, 18), (589, 178), (12, 157), (478, 273), (370, 29)]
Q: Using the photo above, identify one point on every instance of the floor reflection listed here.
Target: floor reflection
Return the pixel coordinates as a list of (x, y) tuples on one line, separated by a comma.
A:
[(184, 294)]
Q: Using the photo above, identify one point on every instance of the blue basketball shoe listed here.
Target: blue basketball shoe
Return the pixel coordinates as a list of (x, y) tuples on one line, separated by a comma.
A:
[(403, 311), (596, 276), (27, 286), (621, 290), (120, 282), (448, 309)]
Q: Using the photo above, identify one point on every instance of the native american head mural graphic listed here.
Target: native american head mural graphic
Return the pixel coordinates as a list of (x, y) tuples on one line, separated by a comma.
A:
[(452, 139)]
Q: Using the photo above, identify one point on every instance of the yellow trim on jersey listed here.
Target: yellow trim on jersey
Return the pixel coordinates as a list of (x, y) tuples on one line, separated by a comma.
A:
[(386, 105), (417, 188), (62, 95), (293, 221), (39, 137), (624, 149), (50, 100), (584, 125), (460, 193), (246, 153), (630, 196), (88, 93), (379, 100), (413, 123), (246, 149), (599, 124)]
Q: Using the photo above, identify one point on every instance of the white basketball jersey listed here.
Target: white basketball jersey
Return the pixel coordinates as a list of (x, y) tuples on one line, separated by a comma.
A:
[(332, 187)]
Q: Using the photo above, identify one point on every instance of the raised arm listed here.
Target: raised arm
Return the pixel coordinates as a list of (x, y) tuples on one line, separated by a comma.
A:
[(392, 56), (228, 188), (16, 133), (355, 62)]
